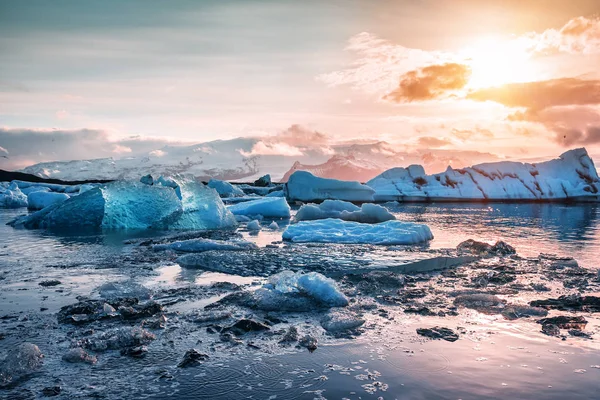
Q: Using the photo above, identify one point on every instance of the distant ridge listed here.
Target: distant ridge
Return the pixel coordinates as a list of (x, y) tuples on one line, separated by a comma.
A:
[(7, 176)]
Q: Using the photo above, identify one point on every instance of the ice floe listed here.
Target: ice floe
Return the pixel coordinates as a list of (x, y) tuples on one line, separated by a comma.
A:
[(272, 207), (41, 199), (571, 176), (338, 231), (367, 213), (199, 245), (304, 186), (12, 197), (134, 205), (225, 189)]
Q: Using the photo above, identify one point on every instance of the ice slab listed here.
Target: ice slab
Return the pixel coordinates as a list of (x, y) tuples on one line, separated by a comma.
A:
[(572, 176), (225, 189), (41, 199), (12, 197), (367, 213), (338, 231), (269, 207), (199, 245), (134, 205), (304, 186)]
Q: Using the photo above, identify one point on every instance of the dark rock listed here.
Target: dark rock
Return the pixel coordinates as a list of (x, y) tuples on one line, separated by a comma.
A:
[(52, 282), (484, 249), (420, 310), (247, 325), (565, 322), (309, 342), (438, 332), (290, 336), (192, 358), (551, 330), (570, 302), (79, 355), (228, 337), (579, 333), (51, 391), (136, 352), (513, 312), (263, 181)]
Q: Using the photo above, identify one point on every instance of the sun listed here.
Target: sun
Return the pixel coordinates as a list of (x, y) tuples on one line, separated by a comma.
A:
[(495, 62)]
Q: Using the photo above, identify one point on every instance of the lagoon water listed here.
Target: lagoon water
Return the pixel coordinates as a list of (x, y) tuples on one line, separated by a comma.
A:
[(494, 358)]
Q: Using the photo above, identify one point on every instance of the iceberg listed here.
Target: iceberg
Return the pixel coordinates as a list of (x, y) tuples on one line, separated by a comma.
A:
[(367, 213), (225, 189), (12, 197), (253, 226), (269, 207), (134, 205), (349, 232), (37, 200), (572, 176), (304, 186)]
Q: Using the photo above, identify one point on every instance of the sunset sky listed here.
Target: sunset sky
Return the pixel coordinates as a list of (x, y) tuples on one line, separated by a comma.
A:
[(519, 79)]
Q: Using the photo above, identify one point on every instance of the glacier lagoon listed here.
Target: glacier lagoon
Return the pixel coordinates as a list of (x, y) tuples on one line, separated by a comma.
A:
[(501, 351)]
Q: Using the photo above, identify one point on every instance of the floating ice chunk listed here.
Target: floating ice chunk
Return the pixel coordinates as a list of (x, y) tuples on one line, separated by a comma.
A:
[(118, 338), (339, 321), (202, 209), (338, 231), (274, 226), (296, 291), (12, 197), (253, 225), (199, 245), (225, 189), (571, 176), (367, 213), (304, 186), (52, 186), (41, 199), (133, 205), (276, 193), (32, 189), (21, 361), (147, 180), (274, 207)]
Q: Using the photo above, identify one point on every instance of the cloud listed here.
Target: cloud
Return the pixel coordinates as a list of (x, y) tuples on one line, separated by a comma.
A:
[(157, 153), (378, 63), (433, 142), (579, 35), (294, 141), (28, 146), (430, 82), (467, 134), (542, 94)]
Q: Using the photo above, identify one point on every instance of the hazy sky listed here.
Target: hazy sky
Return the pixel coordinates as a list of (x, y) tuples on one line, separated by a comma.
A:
[(517, 78)]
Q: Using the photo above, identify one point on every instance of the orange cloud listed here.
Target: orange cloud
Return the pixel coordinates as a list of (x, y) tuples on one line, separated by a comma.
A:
[(430, 82)]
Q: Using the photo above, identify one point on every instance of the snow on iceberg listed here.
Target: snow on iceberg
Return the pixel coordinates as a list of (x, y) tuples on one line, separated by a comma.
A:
[(571, 176), (304, 186), (297, 291), (12, 197), (367, 213), (41, 199), (134, 205), (225, 189), (269, 207), (199, 245), (338, 231)]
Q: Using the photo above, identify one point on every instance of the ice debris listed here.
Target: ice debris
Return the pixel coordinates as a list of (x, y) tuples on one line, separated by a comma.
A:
[(12, 197), (19, 362), (225, 189), (438, 332), (338, 231), (79, 355)]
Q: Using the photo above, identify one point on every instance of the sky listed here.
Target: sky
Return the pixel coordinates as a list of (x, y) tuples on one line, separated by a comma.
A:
[(87, 79)]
